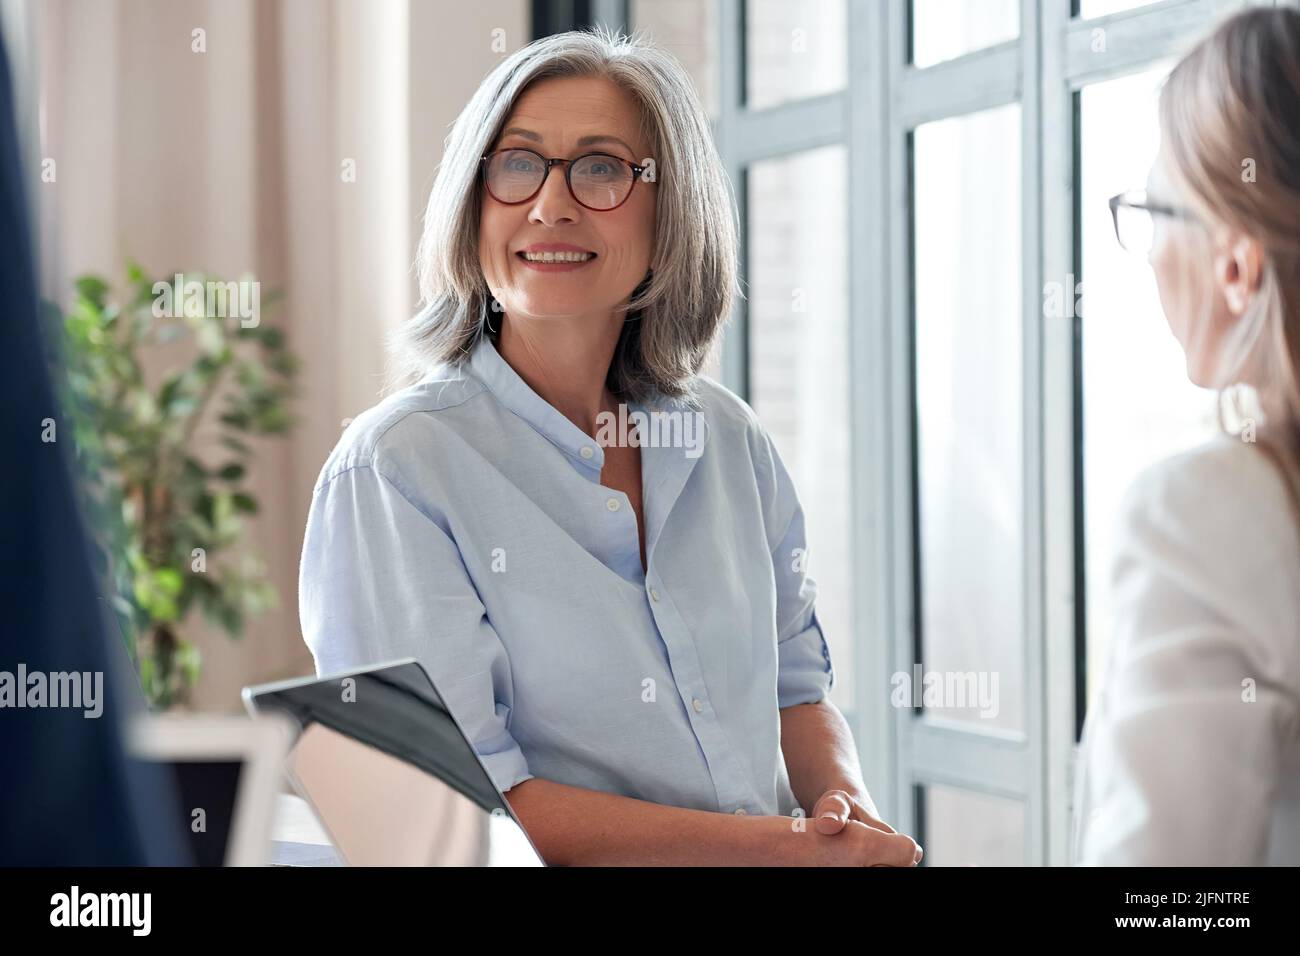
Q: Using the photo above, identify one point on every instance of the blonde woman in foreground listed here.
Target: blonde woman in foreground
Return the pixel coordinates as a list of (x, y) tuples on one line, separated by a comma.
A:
[(1191, 752)]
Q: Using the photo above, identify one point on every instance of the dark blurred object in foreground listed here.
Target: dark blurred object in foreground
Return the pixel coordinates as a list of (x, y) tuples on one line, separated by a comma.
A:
[(68, 797)]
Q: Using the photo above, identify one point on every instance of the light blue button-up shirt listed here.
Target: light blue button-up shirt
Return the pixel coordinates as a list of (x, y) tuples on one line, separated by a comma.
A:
[(462, 522)]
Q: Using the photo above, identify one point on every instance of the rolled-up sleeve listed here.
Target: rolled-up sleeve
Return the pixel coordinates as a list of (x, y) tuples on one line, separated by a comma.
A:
[(805, 674), (382, 579)]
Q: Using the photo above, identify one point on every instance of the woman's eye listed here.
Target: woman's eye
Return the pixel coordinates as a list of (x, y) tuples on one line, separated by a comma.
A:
[(600, 167)]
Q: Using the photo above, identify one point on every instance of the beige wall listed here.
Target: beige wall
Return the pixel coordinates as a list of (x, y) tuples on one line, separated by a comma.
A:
[(230, 161)]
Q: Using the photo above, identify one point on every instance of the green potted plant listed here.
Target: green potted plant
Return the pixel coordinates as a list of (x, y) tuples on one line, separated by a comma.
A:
[(167, 517)]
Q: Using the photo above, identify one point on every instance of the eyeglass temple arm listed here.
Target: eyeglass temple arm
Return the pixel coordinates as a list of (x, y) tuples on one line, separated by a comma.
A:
[(1160, 208)]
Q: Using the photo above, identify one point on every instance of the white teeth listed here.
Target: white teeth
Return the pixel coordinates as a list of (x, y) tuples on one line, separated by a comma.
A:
[(557, 256)]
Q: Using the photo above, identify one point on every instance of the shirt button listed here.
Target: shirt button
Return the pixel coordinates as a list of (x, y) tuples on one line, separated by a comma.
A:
[(586, 451), (654, 595), (698, 705), (612, 504)]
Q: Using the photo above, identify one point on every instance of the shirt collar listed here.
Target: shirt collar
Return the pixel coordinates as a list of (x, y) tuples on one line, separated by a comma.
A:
[(487, 365)]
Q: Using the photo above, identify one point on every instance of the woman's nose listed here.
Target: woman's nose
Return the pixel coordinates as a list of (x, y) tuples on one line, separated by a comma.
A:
[(553, 202)]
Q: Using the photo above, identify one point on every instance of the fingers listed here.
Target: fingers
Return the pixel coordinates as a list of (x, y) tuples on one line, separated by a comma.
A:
[(865, 812), (896, 849), (870, 816), (836, 808), (832, 811)]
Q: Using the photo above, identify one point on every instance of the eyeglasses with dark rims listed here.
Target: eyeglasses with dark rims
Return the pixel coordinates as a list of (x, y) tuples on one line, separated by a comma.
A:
[(597, 181), (1134, 214)]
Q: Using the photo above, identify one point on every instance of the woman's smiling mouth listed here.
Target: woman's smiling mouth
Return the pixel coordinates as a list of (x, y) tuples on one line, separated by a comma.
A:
[(554, 257)]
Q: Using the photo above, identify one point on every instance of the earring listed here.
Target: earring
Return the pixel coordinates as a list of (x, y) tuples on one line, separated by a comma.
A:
[(490, 306)]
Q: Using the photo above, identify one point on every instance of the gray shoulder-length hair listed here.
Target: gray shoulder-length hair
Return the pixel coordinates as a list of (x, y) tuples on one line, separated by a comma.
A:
[(676, 313)]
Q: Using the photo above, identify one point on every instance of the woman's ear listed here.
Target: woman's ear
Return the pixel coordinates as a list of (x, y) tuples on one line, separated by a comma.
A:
[(1238, 265)]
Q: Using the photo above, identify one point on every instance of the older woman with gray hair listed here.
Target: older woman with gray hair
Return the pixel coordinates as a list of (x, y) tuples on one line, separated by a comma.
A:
[(620, 618)]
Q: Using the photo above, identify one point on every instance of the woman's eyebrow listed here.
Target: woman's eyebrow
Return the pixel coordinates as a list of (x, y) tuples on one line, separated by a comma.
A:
[(520, 131), (584, 141), (593, 140)]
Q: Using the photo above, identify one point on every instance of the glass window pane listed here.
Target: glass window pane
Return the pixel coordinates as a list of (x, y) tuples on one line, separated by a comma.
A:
[(964, 828), (969, 408), (798, 327), (1102, 8), (945, 29), (794, 49), (1138, 405), (688, 29)]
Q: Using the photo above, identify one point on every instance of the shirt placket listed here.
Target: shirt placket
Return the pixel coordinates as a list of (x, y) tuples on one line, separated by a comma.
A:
[(730, 781)]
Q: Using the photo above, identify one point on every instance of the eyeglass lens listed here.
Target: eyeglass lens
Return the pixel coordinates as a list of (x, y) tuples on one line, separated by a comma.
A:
[(1135, 228)]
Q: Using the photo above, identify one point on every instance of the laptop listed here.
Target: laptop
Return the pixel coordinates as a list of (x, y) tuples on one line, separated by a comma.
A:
[(388, 774), (224, 774)]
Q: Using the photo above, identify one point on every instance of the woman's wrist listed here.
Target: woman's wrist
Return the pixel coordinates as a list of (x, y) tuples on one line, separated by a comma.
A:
[(770, 840)]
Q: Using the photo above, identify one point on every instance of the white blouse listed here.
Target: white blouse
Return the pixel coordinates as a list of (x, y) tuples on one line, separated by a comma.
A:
[(1191, 750)]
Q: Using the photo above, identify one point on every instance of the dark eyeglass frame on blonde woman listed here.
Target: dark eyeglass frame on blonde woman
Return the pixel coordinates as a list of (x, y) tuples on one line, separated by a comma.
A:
[(1133, 214)]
